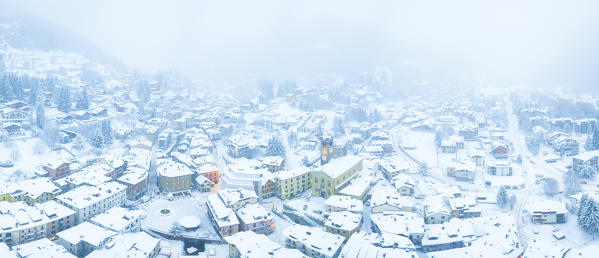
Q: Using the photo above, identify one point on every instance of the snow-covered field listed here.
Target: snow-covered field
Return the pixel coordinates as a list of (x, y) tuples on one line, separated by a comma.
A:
[(27, 156)]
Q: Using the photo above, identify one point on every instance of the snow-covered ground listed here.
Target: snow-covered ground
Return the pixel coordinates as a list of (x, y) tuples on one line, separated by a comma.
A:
[(176, 209), (27, 156)]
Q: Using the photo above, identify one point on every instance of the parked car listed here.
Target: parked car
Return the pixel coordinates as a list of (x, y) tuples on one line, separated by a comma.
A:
[(559, 235), (6, 164)]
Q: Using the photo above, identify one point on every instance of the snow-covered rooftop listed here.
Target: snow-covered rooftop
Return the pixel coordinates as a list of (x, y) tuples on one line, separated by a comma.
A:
[(399, 223), (315, 239), (133, 175), (117, 218), (344, 203), (86, 232), (139, 244), (344, 220), (33, 188), (250, 244), (42, 248), (231, 196), (336, 167), (252, 213), (169, 168), (86, 195), (18, 215), (287, 174), (390, 196), (366, 245), (223, 215)]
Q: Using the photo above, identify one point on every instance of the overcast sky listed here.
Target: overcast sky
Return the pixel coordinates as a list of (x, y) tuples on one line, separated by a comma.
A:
[(224, 40)]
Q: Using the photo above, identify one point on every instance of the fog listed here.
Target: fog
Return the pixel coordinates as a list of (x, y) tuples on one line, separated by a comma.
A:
[(531, 43)]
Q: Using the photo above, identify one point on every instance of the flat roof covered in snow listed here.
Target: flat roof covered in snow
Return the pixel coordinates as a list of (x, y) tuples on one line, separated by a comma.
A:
[(86, 195), (338, 166)]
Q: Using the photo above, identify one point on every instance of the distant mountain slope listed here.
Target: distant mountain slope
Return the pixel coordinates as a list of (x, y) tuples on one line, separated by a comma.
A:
[(21, 29)]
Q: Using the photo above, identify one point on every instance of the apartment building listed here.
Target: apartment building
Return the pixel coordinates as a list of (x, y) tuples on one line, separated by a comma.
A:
[(88, 201), (331, 177), (292, 183), (21, 223)]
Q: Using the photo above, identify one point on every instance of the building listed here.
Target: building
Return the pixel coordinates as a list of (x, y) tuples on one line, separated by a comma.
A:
[(237, 198), (406, 224), (41, 248), (139, 244), (88, 201), (586, 125), (84, 238), (13, 128), (94, 174), (464, 207), (462, 171), (332, 148), (565, 145), (548, 212), (250, 244), (58, 168), (448, 235), (585, 159), (136, 181), (501, 167), (210, 171), (21, 223), (244, 173), (499, 150), (435, 211), (375, 245), (273, 163), (223, 218), (268, 186), (358, 188), (31, 191), (119, 219), (337, 203), (468, 131), (203, 184), (388, 199), (448, 146), (222, 206), (404, 184), (312, 241), (256, 218), (292, 183), (174, 176), (391, 168), (343, 223), (478, 157), (330, 178)]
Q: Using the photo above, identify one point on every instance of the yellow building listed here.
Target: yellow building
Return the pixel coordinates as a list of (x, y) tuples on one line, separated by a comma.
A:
[(31, 191), (23, 223), (343, 223), (174, 176), (291, 183), (333, 176)]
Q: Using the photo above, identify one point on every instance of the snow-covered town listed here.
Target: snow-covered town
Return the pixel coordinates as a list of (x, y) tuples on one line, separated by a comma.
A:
[(100, 161)]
